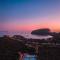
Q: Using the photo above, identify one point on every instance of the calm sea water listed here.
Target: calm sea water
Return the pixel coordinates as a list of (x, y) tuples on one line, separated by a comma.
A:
[(25, 34)]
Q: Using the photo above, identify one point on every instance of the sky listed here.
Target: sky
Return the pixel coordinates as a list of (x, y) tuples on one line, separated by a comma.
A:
[(28, 15)]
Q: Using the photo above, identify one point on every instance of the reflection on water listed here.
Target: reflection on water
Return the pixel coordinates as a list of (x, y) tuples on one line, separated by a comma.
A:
[(25, 34)]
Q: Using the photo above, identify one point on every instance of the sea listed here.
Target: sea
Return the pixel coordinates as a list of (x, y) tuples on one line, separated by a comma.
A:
[(26, 34)]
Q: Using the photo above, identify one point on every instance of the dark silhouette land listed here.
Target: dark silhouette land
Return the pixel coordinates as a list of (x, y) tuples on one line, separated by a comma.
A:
[(48, 49)]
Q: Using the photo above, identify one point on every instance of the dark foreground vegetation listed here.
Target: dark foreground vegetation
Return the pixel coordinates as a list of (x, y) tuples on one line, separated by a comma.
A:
[(10, 46)]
